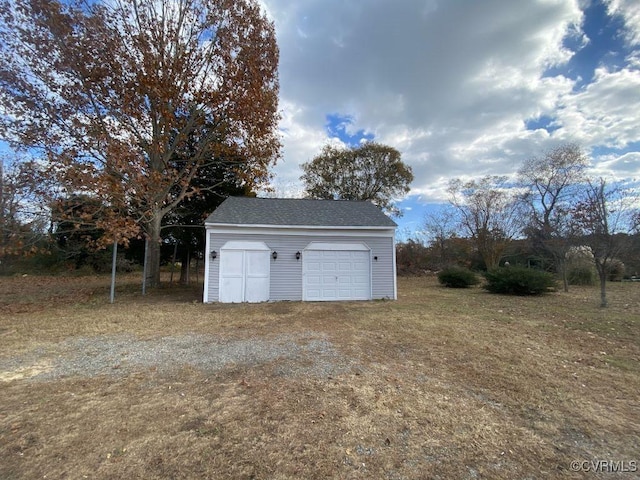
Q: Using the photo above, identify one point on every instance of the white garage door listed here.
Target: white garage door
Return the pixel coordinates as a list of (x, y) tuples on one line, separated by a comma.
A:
[(336, 272), (244, 272)]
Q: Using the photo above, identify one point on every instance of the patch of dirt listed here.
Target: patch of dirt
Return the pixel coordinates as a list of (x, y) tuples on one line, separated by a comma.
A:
[(25, 372)]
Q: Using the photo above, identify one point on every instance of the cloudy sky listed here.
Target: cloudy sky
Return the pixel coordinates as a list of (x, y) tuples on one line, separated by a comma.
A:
[(461, 88)]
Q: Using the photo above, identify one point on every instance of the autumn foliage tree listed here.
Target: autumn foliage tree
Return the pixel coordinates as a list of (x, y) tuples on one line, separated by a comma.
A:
[(111, 92), (371, 172)]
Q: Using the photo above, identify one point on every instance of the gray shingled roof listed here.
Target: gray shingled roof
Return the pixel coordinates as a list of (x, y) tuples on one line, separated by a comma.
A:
[(298, 212)]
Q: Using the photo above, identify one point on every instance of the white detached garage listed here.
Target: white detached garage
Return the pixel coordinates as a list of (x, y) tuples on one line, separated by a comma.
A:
[(263, 249)]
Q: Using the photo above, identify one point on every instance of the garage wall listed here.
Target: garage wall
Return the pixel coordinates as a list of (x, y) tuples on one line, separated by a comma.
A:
[(286, 271)]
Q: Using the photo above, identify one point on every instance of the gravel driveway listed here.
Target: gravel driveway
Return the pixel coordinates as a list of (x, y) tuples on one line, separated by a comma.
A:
[(119, 355)]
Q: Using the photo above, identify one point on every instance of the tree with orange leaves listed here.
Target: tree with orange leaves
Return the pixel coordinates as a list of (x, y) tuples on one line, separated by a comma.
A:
[(111, 92)]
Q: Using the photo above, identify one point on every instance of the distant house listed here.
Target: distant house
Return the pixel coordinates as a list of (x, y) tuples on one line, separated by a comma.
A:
[(268, 249)]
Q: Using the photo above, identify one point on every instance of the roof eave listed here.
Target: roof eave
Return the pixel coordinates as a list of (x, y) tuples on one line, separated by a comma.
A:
[(310, 227)]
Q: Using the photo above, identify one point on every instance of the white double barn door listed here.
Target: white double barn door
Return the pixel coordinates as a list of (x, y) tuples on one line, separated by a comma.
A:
[(244, 273)]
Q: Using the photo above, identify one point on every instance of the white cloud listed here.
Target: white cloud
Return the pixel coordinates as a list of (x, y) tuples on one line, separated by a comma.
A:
[(618, 167), (605, 113), (630, 12), (301, 140), (449, 84)]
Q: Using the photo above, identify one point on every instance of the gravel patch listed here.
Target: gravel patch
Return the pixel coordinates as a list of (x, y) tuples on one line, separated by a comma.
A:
[(120, 355)]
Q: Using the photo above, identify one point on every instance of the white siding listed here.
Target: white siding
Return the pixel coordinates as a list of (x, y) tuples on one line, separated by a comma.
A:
[(286, 270)]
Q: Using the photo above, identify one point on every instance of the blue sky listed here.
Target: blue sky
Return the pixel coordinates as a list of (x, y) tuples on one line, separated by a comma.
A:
[(462, 89)]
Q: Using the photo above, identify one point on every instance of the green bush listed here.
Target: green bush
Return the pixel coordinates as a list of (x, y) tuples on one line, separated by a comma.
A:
[(581, 275), (457, 277), (519, 281)]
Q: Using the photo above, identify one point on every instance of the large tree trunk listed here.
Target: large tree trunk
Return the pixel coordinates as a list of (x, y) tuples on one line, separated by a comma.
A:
[(153, 251)]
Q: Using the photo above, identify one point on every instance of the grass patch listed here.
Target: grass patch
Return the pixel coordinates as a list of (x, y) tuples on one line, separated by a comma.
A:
[(441, 383), (623, 363)]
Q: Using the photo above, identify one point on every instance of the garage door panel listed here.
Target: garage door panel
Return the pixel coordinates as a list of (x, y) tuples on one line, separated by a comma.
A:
[(329, 280), (231, 290), (329, 266), (231, 263), (337, 274), (257, 289), (257, 263), (312, 266)]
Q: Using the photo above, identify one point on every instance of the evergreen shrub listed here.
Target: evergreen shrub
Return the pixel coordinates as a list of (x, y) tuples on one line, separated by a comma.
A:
[(457, 277), (519, 281)]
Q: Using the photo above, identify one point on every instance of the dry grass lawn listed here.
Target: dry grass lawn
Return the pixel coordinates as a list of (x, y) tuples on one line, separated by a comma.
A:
[(440, 384)]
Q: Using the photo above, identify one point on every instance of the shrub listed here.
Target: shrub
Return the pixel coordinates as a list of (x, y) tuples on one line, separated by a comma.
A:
[(101, 262), (581, 275), (457, 277), (615, 270), (519, 281)]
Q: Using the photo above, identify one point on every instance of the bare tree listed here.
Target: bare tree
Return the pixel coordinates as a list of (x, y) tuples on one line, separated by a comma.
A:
[(552, 183), (603, 217), (489, 214), (440, 228)]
